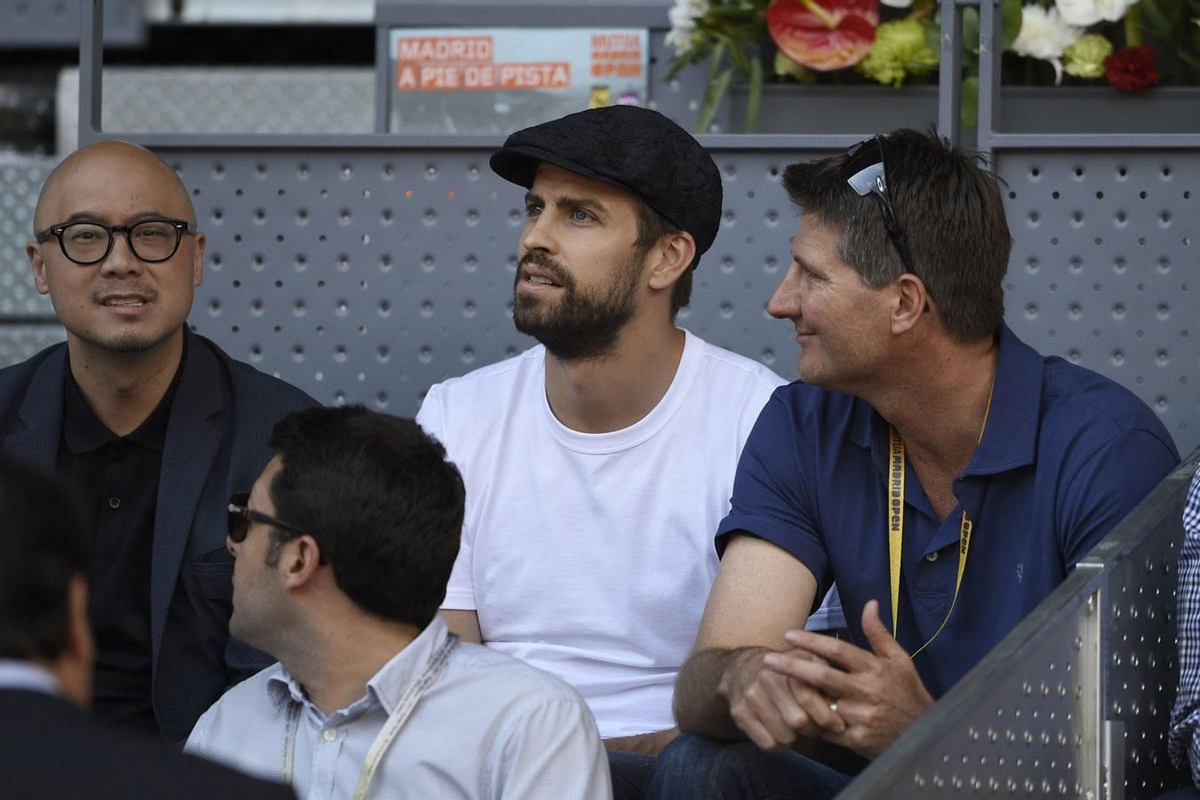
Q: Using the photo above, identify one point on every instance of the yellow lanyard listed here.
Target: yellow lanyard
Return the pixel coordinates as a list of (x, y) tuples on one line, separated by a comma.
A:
[(896, 527)]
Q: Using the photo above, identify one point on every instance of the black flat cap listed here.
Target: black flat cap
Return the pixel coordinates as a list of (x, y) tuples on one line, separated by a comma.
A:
[(631, 147)]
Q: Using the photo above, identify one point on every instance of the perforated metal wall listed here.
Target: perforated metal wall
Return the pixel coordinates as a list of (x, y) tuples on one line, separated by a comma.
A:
[(55, 23), (1104, 269), (21, 179), (368, 275), (1075, 701), (262, 101), (1140, 665), (1024, 723)]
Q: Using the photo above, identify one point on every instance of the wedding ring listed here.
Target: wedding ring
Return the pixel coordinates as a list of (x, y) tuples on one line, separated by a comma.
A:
[(833, 706)]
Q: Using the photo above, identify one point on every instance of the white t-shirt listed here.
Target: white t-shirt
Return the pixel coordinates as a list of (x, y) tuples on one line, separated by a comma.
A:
[(590, 555)]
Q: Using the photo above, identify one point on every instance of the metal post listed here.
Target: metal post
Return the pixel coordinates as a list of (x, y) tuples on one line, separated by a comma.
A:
[(91, 69), (950, 73)]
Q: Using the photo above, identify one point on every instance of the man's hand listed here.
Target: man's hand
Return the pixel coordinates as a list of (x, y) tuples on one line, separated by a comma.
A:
[(772, 708), (878, 694)]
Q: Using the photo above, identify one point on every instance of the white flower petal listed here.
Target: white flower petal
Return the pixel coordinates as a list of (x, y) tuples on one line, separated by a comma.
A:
[(1044, 34)]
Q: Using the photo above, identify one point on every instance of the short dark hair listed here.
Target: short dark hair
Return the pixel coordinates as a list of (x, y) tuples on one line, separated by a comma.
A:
[(43, 545), (949, 206), (382, 502), (652, 227)]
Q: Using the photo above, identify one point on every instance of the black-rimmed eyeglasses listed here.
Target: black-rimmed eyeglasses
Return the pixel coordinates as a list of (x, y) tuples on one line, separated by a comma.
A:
[(864, 170), (151, 240), (241, 515)]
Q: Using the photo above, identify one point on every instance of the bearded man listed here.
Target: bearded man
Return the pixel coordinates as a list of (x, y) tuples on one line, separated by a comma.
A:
[(599, 463)]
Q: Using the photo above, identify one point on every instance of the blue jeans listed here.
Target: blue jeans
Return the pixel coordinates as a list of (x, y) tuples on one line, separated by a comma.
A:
[(695, 766), (630, 773)]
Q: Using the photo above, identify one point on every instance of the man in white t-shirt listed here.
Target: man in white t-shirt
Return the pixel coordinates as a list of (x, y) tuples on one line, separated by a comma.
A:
[(599, 464)]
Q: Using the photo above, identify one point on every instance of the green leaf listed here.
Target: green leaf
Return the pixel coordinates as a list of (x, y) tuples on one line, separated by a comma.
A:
[(1010, 22), (970, 30), (756, 83), (716, 60), (969, 114), (713, 94)]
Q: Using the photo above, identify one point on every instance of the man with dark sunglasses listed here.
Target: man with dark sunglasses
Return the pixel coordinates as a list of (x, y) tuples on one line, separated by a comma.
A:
[(343, 549), (153, 426), (942, 472)]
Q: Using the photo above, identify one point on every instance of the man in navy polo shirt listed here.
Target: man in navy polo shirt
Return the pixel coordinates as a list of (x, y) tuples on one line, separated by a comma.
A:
[(942, 472)]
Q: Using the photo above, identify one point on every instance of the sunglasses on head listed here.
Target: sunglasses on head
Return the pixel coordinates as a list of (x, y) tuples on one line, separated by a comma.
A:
[(241, 515), (864, 170)]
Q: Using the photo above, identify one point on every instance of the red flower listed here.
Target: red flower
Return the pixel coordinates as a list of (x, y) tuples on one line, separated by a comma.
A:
[(823, 34), (1132, 69)]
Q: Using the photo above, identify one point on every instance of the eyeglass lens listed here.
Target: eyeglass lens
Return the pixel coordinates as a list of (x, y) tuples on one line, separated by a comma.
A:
[(151, 240), (238, 522)]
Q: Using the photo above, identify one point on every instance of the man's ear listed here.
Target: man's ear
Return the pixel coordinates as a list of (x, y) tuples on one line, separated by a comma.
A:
[(912, 301), (670, 258), (74, 666), (200, 240), (298, 561), (34, 251)]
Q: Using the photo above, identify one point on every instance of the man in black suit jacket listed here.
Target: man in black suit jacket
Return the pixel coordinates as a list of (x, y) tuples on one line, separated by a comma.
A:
[(154, 426), (48, 748)]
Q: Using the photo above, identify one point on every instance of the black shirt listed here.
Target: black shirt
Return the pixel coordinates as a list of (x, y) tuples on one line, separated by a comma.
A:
[(117, 478)]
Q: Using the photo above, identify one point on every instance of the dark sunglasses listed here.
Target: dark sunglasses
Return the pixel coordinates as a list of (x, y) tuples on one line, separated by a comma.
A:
[(864, 170), (241, 515)]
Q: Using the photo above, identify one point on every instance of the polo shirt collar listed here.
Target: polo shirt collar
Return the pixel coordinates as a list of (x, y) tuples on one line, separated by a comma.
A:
[(85, 433), (385, 688), (1010, 439)]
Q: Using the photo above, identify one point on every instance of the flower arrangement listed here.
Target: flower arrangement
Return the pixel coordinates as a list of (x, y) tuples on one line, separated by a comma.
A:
[(1129, 44)]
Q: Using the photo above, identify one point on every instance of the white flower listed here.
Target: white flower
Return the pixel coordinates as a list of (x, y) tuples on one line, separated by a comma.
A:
[(683, 23), (1089, 12), (1045, 35)]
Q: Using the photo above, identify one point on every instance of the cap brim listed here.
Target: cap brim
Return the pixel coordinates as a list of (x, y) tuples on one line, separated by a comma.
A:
[(518, 164)]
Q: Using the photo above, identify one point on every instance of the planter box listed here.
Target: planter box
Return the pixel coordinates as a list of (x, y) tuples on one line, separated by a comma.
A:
[(1097, 109), (793, 108)]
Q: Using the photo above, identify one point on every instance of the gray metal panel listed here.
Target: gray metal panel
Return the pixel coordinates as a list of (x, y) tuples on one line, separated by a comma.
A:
[(55, 23), (1104, 266), (1074, 702), (261, 101), (1022, 722), (1139, 665), (19, 342), (21, 179)]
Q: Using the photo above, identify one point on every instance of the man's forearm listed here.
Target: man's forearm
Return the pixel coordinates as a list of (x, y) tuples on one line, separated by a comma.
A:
[(649, 743), (699, 705)]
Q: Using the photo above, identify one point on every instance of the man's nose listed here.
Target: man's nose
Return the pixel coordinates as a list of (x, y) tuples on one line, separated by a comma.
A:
[(121, 259)]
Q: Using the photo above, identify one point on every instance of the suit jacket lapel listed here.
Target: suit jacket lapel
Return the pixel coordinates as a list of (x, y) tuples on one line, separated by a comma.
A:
[(41, 413), (193, 440)]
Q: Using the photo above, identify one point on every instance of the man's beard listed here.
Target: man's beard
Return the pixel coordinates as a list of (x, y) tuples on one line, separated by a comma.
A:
[(580, 324)]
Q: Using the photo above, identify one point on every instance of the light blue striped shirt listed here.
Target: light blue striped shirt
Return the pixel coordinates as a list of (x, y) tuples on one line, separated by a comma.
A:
[(490, 727)]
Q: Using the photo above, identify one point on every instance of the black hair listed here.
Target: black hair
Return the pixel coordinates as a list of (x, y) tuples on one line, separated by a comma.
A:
[(44, 543), (382, 502)]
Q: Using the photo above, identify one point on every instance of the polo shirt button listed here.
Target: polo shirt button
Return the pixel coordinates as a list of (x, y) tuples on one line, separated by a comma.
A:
[(114, 503), (330, 735), (932, 556)]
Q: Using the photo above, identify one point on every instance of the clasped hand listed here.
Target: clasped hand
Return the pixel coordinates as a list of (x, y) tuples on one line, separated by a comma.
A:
[(828, 689)]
